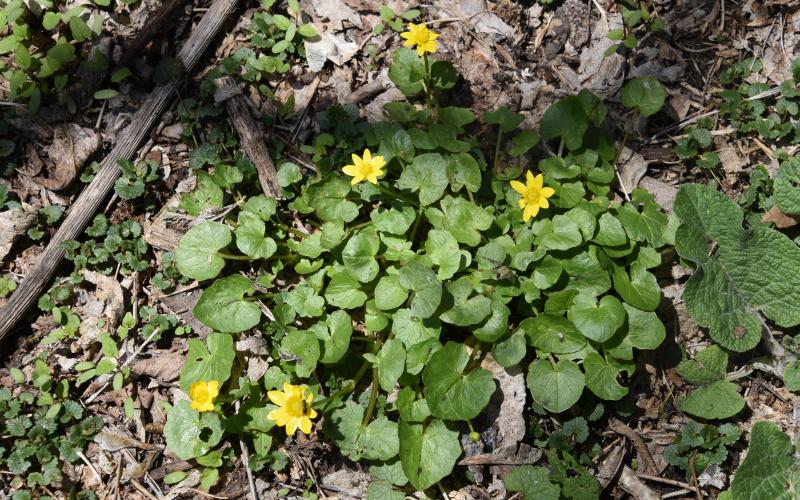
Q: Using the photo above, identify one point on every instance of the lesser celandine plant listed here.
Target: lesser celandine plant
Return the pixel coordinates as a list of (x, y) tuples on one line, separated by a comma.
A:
[(410, 268)]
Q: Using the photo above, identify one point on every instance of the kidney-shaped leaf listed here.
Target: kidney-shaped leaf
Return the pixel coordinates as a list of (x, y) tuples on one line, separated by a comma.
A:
[(452, 394), (197, 256), (223, 307)]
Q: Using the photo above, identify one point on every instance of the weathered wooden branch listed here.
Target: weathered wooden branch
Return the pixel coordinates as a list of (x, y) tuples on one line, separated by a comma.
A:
[(84, 208), (251, 136), (155, 24)]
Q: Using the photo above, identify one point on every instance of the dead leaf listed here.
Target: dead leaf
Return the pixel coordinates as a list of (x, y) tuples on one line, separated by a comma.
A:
[(507, 414), (328, 47), (13, 223), (478, 15), (72, 146), (780, 219), (162, 366), (335, 12), (511, 455), (731, 162), (108, 290), (633, 485), (633, 166), (663, 192), (111, 440)]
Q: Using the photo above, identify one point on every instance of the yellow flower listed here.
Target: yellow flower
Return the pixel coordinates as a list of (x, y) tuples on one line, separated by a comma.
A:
[(203, 393), (422, 37), (295, 408), (534, 195), (367, 167)]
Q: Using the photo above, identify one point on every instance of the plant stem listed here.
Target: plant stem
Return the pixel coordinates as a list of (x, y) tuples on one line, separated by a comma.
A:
[(416, 223), (373, 395), (259, 296), (428, 93), (231, 256), (391, 192), (497, 148), (346, 389), (292, 230)]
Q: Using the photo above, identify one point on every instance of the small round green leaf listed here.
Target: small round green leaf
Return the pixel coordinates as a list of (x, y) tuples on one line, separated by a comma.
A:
[(557, 387), (197, 256)]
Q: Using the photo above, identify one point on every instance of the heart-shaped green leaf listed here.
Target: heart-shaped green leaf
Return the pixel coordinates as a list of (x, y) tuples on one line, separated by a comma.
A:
[(197, 256), (553, 333), (222, 306), (600, 321), (452, 394), (189, 433), (555, 386), (601, 377), (206, 364), (428, 452)]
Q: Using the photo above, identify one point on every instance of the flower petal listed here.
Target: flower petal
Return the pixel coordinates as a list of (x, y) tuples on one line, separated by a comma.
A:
[(367, 156), (213, 389), (277, 397), (529, 178), (547, 192), (291, 425), (526, 214), (305, 425), (279, 416), (350, 170), (543, 203), (523, 203), (518, 187), (538, 181), (356, 160), (534, 210)]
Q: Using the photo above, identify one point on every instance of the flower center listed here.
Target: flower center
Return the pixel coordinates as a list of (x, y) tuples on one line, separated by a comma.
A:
[(294, 406), (532, 195)]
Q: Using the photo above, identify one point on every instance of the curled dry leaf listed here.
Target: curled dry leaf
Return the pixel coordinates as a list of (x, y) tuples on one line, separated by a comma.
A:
[(72, 146), (780, 219), (13, 223), (164, 366), (111, 440)]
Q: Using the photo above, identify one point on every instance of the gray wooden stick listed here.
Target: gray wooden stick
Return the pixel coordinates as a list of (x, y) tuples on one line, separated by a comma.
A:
[(84, 208)]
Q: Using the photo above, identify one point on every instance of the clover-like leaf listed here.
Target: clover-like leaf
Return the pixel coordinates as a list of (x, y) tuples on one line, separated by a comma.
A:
[(223, 306), (452, 394), (329, 200), (376, 441), (428, 453), (205, 364), (413, 330), (442, 248), (197, 253), (504, 117), (407, 71), (556, 386), (640, 288), (344, 291), (464, 309), (751, 270), (189, 433)]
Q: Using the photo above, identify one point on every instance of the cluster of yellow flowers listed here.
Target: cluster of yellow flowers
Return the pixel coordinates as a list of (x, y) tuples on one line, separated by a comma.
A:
[(294, 412), (533, 193)]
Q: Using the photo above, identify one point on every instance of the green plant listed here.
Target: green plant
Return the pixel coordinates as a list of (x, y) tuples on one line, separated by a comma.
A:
[(770, 469), (39, 426), (44, 45), (697, 140), (133, 177), (46, 216), (279, 40), (394, 20), (716, 396), (121, 246), (747, 272), (697, 446), (436, 267), (637, 20)]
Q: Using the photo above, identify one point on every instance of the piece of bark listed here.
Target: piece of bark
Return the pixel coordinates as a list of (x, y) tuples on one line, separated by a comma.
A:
[(251, 136), (90, 199)]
